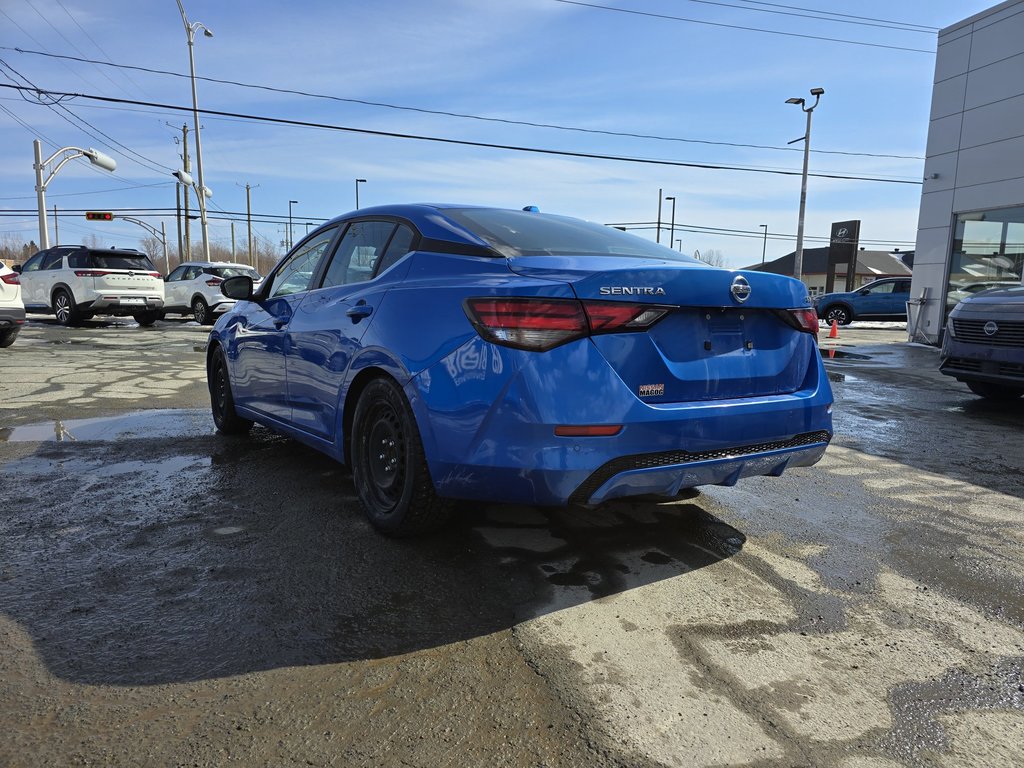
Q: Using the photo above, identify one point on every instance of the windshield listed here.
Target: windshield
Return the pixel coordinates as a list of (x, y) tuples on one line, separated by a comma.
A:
[(233, 272), (523, 233)]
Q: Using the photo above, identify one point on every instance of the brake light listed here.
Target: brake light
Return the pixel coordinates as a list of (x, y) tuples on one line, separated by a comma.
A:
[(806, 320), (541, 323), (153, 274), (91, 272), (11, 279), (214, 281)]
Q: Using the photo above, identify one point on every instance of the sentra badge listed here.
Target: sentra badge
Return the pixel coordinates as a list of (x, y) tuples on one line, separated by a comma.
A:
[(631, 290), (652, 390)]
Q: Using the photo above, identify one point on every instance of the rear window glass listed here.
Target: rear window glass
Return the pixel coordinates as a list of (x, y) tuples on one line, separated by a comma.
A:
[(232, 272), (522, 233), (140, 262)]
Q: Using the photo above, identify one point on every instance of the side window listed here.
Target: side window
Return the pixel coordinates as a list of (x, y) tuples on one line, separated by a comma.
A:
[(882, 289), (295, 274), (358, 252), (78, 260), (176, 274), (34, 263), (401, 244), (53, 260), (902, 286), (191, 273)]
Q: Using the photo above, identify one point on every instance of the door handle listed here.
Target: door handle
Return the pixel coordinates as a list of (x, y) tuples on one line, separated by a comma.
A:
[(359, 311)]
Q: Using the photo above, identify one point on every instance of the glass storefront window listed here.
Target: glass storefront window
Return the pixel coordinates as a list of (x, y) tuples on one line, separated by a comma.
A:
[(988, 251)]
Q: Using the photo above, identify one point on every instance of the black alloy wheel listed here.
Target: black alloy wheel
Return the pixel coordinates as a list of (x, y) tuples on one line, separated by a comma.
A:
[(389, 467), (839, 313), (222, 402), (201, 311)]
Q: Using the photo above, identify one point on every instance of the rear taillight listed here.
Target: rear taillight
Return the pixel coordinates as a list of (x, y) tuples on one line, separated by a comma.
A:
[(540, 324), (91, 272), (806, 319), (11, 279), (214, 281)]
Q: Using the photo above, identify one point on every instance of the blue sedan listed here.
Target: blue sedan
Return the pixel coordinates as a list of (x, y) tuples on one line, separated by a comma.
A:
[(455, 352)]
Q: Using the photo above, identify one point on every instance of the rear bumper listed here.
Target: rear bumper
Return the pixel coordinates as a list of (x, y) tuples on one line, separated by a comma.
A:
[(121, 305), (11, 316)]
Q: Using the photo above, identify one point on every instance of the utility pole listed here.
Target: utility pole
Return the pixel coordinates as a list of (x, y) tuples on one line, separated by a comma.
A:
[(56, 232), (248, 221), (232, 241), (177, 218), (657, 237)]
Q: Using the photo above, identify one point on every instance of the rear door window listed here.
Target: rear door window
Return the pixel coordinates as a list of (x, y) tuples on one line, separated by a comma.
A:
[(358, 252)]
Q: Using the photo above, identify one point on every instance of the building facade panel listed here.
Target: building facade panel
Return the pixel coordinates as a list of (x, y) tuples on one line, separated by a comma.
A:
[(996, 82)]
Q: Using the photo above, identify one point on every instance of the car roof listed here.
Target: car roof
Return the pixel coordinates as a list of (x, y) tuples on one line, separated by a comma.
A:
[(429, 219), (214, 264)]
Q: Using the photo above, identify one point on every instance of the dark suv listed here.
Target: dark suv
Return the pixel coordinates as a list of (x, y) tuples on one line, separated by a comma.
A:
[(984, 343), (74, 283)]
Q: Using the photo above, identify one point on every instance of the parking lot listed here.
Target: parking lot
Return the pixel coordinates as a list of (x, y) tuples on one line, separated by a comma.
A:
[(169, 596)]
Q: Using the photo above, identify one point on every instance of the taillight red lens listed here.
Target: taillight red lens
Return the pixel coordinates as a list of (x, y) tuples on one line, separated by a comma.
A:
[(612, 317), (806, 319), (536, 324), (90, 272), (214, 281), (11, 279)]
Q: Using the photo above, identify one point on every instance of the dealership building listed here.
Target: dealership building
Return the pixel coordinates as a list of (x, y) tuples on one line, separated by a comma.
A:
[(971, 224)]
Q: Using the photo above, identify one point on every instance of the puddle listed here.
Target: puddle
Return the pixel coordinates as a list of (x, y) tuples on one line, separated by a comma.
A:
[(840, 354), (144, 424)]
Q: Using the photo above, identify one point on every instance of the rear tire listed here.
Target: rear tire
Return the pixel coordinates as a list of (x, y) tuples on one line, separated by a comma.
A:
[(838, 312), (148, 318), (222, 402), (7, 337), (64, 308), (999, 393), (201, 311), (389, 467)]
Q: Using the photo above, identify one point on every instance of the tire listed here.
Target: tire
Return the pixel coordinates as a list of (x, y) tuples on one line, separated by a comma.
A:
[(222, 403), (201, 311), (7, 337), (64, 308), (1000, 393), (838, 312), (388, 465), (148, 318)]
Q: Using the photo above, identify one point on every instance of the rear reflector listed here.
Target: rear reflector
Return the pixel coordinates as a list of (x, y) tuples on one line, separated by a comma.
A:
[(588, 430), (540, 323)]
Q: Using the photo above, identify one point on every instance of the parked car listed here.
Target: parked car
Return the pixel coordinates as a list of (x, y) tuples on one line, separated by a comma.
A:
[(984, 343), (194, 289), (884, 299), (12, 311), (503, 355), (75, 283)]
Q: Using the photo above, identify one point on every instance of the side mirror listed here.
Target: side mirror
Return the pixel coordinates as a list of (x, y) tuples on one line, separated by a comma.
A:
[(17, 268), (238, 287), (863, 292)]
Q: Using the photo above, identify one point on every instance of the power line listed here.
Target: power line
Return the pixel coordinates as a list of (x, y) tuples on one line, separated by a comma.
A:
[(744, 28), (462, 142), (895, 25), (844, 15), (460, 115)]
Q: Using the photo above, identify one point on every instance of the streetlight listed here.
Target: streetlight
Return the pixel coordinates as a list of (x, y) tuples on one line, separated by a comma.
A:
[(291, 235), (358, 182), (798, 260), (203, 192), (672, 229), (764, 247), (96, 157)]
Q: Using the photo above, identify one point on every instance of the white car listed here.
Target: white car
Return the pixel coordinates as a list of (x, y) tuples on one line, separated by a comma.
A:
[(75, 282), (194, 289), (12, 311)]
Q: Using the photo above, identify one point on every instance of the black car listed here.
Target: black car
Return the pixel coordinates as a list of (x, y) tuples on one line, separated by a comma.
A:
[(984, 343)]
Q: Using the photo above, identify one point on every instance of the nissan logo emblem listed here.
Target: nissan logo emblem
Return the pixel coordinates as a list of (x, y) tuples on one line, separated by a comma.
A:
[(990, 328), (740, 289)]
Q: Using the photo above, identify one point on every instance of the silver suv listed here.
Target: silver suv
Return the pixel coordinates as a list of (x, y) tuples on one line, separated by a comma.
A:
[(194, 289), (74, 283), (984, 343)]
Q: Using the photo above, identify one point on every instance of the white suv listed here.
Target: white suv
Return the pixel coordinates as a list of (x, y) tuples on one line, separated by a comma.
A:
[(194, 288), (74, 283), (12, 311)]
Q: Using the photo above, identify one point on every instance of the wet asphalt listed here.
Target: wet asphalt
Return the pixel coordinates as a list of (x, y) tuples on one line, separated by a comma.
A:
[(172, 596)]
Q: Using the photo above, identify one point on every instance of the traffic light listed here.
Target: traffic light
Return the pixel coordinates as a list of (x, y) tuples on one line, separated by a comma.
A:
[(99, 216)]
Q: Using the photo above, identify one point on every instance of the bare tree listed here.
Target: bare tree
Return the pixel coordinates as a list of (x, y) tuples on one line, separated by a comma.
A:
[(712, 256)]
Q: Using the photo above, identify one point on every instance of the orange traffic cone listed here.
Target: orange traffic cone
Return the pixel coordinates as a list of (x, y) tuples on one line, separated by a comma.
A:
[(834, 333)]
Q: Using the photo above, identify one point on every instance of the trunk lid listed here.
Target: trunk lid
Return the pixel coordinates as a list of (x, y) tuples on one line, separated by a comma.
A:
[(711, 345)]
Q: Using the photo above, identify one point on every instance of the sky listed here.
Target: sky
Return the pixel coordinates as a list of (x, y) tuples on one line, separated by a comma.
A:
[(673, 83)]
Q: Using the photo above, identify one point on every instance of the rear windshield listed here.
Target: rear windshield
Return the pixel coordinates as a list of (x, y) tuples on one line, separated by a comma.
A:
[(138, 262), (522, 233), (232, 272)]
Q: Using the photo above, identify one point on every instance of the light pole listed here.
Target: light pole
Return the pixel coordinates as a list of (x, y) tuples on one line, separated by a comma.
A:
[(657, 236), (764, 247), (798, 260), (96, 157), (190, 31), (358, 182), (672, 228), (291, 235), (679, 245)]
